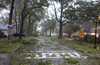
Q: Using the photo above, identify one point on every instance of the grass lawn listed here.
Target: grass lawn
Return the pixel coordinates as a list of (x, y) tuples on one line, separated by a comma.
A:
[(0, 58), (52, 37), (5, 48), (88, 47)]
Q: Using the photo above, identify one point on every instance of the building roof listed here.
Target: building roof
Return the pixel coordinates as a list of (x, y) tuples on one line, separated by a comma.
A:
[(3, 26)]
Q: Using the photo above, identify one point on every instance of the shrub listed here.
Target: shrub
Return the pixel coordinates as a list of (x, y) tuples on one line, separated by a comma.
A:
[(2, 35), (34, 34), (25, 42), (75, 36), (47, 62), (91, 38), (33, 40), (71, 61)]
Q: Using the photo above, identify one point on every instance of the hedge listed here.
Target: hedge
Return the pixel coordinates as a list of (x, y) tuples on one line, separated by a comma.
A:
[(2, 35), (91, 38)]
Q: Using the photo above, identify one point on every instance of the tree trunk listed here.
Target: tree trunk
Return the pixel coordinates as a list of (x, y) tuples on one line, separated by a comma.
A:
[(60, 31), (19, 25), (50, 33), (69, 35), (46, 31), (15, 20), (29, 25), (32, 27), (23, 15), (10, 17)]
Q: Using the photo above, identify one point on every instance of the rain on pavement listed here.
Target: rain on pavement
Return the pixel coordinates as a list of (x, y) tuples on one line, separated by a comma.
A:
[(47, 49)]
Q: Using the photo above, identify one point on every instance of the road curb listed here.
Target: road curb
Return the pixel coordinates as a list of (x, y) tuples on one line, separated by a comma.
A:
[(1, 59), (88, 53), (83, 52), (13, 52), (16, 49)]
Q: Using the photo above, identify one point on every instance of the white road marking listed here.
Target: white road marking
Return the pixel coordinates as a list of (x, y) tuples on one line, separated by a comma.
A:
[(55, 55), (71, 55), (37, 55), (79, 56), (28, 58), (43, 55)]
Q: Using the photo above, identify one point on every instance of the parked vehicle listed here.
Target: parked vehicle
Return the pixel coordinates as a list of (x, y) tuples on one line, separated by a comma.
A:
[(15, 35)]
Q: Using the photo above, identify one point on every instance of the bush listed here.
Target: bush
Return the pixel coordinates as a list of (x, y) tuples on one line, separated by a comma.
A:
[(71, 61), (75, 36), (25, 42), (33, 40), (2, 35), (91, 38), (34, 34)]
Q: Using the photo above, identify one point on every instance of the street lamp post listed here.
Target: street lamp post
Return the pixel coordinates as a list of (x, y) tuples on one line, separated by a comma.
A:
[(95, 47)]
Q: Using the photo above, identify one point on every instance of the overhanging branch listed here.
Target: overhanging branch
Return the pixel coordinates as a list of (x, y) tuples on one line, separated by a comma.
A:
[(55, 12), (64, 20), (35, 7), (64, 24)]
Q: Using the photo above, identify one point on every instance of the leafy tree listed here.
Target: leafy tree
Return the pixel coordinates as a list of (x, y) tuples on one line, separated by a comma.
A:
[(63, 5), (71, 28), (52, 25), (4, 4), (28, 7), (87, 10), (2, 34), (49, 25), (87, 26), (70, 13)]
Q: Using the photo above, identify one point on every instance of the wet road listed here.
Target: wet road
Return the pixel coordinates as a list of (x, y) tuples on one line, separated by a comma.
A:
[(46, 51)]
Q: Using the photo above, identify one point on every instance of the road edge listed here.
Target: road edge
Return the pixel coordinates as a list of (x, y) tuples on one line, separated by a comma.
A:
[(13, 52), (16, 49), (88, 53)]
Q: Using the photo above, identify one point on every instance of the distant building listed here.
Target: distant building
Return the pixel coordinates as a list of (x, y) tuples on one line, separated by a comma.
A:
[(3, 28)]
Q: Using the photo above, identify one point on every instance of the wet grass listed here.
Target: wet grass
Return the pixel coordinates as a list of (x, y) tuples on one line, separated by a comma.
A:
[(23, 38), (88, 47), (1, 58), (21, 57), (20, 60), (93, 62), (71, 61), (6, 47), (52, 37), (46, 62), (55, 48), (3, 38)]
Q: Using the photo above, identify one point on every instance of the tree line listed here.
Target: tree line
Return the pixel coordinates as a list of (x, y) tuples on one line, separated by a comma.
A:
[(27, 15)]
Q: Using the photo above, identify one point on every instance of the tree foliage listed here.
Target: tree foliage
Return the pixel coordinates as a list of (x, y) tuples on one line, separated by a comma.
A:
[(48, 25), (87, 10), (4, 4), (63, 5), (71, 28)]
